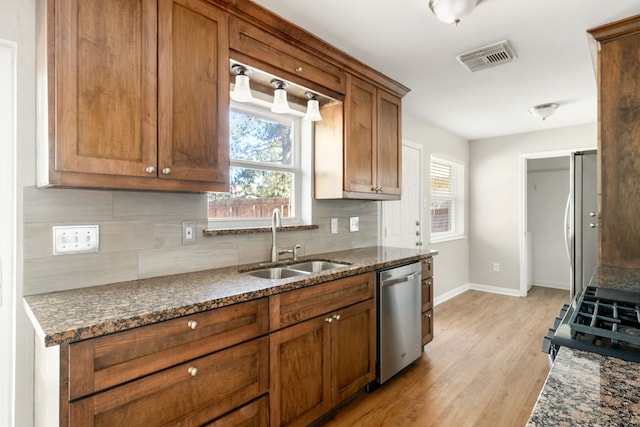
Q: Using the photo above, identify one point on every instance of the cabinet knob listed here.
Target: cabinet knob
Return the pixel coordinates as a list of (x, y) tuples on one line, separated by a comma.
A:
[(298, 69), (192, 324), (166, 171), (328, 320), (336, 316), (593, 225), (193, 371), (428, 315), (150, 169)]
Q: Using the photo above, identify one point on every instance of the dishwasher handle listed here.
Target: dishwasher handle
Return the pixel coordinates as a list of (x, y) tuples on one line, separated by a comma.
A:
[(390, 282)]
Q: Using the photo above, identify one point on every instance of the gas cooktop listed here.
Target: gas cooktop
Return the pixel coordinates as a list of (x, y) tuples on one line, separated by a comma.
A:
[(601, 320)]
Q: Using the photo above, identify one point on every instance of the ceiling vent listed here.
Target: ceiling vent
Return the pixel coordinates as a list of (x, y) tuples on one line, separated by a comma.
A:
[(488, 56)]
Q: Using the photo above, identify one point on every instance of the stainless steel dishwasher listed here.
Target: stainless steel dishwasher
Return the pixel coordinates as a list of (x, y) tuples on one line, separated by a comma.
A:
[(399, 337)]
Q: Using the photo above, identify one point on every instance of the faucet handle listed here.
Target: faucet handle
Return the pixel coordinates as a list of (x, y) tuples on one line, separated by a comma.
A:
[(295, 251)]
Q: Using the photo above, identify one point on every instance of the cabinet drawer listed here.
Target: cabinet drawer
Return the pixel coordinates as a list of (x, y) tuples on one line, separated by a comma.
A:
[(188, 394), (254, 414), (427, 294), (282, 58), (427, 268), (104, 362), (427, 327), (292, 307)]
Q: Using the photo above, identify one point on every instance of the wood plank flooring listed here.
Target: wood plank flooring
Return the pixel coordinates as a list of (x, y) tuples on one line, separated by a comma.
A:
[(483, 368)]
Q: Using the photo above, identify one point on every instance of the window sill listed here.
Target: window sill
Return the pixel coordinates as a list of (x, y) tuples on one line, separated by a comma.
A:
[(447, 239), (254, 230)]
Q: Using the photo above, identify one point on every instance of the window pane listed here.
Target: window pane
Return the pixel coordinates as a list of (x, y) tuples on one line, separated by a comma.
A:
[(254, 193), (260, 139)]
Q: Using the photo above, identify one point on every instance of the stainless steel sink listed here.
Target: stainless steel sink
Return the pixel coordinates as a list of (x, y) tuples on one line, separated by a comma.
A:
[(276, 273), (315, 266), (299, 269)]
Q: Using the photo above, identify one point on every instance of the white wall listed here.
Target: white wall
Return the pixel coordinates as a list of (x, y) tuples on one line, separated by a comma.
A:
[(17, 24), (451, 265), (547, 192), (495, 187)]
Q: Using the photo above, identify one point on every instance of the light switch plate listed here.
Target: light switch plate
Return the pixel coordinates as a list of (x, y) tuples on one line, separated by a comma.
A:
[(72, 239), (188, 233), (334, 225), (354, 223)]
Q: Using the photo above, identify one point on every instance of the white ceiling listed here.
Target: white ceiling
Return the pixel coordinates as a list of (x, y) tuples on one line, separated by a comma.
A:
[(402, 39)]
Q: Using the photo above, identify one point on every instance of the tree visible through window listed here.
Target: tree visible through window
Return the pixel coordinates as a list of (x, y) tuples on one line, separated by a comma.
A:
[(262, 150), (447, 199)]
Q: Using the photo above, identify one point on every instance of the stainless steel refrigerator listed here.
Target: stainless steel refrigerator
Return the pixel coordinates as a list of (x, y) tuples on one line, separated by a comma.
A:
[(581, 219)]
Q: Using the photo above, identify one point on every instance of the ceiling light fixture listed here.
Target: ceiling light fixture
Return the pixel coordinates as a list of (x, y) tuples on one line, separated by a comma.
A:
[(452, 11), (313, 107), (241, 90), (543, 111), (280, 104)]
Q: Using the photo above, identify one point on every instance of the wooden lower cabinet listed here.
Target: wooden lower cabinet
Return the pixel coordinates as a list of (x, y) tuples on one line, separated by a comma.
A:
[(318, 363), (427, 301), (188, 394)]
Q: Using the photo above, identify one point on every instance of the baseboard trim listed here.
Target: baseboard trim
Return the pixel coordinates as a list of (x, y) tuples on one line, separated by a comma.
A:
[(554, 285), (475, 287), (494, 289)]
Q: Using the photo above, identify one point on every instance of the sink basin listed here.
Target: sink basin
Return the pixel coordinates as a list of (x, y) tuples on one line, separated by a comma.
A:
[(276, 273), (315, 266)]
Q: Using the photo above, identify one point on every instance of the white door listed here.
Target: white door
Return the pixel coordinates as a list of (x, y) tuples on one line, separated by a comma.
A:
[(7, 227), (402, 220)]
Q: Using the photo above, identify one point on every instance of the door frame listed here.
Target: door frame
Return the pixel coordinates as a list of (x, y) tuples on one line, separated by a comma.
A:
[(523, 223), (8, 300), (381, 219)]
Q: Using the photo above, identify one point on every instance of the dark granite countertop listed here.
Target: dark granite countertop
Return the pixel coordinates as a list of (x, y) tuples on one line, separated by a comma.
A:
[(587, 389), (79, 314)]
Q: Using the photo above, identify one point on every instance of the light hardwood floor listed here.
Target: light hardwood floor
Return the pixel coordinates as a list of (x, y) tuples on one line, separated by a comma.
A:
[(483, 368)]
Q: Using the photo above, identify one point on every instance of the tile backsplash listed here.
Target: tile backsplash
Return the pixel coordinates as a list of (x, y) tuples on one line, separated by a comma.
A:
[(140, 236)]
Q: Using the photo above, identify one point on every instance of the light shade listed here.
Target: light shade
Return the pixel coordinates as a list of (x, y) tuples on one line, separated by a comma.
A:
[(313, 108), (241, 90), (543, 111), (280, 104), (452, 11)]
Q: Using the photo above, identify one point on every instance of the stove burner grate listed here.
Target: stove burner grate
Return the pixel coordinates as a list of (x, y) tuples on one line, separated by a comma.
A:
[(608, 313)]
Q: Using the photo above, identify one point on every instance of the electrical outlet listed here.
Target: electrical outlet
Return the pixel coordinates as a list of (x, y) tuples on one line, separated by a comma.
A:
[(75, 239), (354, 222), (496, 267), (334, 225), (188, 233)]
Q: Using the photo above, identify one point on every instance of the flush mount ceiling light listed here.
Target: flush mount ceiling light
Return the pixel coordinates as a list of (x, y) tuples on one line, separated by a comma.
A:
[(313, 107), (452, 11), (280, 104), (543, 111), (241, 90)]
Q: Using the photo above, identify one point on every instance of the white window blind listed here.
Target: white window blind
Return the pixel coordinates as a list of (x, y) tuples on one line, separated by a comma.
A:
[(447, 199)]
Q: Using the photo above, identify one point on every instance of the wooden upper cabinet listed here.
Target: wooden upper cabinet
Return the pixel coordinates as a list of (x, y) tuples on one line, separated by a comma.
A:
[(366, 130), (193, 59), (619, 142), (136, 91), (104, 86), (259, 48)]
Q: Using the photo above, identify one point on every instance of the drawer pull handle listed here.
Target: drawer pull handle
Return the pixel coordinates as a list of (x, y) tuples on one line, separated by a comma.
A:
[(193, 371), (336, 316), (192, 324), (298, 69), (328, 320)]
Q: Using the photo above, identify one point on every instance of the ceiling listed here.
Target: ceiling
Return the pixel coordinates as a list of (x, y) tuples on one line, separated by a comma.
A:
[(402, 39)]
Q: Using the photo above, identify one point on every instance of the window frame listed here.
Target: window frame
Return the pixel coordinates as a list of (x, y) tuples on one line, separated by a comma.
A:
[(457, 198), (262, 108)]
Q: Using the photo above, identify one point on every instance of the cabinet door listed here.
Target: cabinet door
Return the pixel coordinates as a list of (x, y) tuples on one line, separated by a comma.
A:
[(300, 357), (360, 136), (353, 347), (193, 92), (427, 327), (389, 145), (619, 93), (103, 114)]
